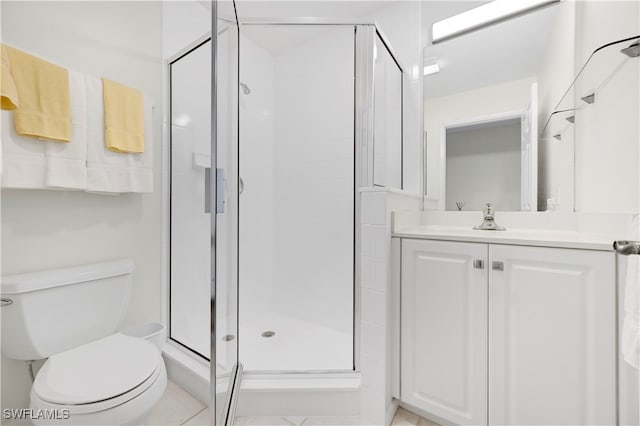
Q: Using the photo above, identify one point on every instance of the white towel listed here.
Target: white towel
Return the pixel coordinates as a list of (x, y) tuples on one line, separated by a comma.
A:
[(23, 158), (109, 171), (66, 163), (631, 322)]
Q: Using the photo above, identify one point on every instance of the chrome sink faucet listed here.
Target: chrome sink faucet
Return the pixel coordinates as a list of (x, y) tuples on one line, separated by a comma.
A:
[(489, 223)]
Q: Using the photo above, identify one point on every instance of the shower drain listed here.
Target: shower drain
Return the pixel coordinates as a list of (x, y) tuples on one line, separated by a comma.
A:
[(268, 333)]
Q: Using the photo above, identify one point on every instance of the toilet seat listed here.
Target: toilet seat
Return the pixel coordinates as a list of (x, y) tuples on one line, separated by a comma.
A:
[(131, 412), (99, 375)]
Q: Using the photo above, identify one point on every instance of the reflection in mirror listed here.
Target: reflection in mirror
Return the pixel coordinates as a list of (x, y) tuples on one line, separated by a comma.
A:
[(577, 140), (387, 136), (481, 111), (483, 163)]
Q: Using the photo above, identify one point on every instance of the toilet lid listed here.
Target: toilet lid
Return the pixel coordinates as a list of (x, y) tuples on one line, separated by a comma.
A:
[(97, 371)]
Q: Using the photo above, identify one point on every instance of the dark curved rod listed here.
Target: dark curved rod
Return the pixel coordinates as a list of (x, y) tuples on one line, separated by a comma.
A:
[(551, 116), (575, 79)]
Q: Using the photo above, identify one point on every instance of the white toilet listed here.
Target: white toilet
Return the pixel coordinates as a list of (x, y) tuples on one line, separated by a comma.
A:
[(93, 374)]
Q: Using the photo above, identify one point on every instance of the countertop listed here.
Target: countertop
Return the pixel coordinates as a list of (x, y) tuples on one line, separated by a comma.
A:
[(524, 237)]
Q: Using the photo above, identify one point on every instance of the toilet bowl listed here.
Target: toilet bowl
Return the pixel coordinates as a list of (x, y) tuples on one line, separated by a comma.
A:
[(93, 375), (114, 380)]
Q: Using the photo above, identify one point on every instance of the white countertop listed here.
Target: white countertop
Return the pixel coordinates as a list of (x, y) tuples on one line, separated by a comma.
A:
[(515, 236)]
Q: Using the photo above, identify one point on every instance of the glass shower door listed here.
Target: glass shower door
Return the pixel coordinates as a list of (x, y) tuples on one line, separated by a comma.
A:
[(203, 201), (297, 209), (224, 195)]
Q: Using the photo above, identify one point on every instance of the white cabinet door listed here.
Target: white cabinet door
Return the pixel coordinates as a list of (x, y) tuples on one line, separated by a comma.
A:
[(444, 329), (551, 336)]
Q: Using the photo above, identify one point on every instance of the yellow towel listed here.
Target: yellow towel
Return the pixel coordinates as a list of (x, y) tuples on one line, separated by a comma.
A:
[(43, 90), (8, 91), (123, 117)]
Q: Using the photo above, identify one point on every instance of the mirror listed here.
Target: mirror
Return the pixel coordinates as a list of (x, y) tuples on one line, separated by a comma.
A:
[(505, 121), (481, 110)]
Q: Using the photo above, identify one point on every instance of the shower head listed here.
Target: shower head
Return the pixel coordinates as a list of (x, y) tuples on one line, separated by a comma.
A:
[(632, 51), (245, 88)]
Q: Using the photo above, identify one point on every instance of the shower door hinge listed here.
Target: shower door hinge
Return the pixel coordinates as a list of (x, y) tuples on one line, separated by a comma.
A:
[(219, 190)]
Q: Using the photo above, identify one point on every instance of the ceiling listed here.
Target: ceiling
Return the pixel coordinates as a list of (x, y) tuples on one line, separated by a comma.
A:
[(266, 9), (277, 39), (507, 51)]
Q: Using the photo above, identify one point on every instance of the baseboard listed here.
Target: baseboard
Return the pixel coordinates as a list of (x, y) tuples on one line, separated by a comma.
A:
[(391, 411)]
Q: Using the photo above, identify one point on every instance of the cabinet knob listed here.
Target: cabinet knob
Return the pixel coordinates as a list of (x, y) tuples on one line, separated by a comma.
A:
[(478, 264), (497, 266)]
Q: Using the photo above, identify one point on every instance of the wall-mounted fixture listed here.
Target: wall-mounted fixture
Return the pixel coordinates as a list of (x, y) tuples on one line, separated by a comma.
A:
[(431, 66), (632, 51), (245, 88), (483, 16), (590, 98)]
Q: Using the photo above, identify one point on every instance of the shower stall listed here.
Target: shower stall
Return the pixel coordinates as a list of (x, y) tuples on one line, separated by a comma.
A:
[(305, 113)]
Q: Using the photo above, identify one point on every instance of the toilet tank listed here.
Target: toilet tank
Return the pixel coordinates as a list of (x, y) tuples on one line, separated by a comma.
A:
[(51, 311)]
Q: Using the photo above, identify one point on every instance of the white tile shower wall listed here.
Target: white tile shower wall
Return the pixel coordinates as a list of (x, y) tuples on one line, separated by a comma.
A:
[(256, 239), (313, 176), (48, 229), (376, 322)]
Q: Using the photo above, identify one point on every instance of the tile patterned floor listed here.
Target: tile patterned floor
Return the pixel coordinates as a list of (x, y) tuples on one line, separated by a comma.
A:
[(407, 418), (178, 408)]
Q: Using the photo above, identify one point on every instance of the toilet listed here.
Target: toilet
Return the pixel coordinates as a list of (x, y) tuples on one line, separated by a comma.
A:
[(93, 374)]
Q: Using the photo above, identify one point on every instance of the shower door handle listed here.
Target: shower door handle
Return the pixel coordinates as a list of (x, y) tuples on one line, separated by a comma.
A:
[(219, 190)]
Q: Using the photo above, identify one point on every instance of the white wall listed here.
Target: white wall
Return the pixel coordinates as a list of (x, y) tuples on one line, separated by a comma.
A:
[(513, 96), (183, 22), (47, 229), (607, 132), (484, 165)]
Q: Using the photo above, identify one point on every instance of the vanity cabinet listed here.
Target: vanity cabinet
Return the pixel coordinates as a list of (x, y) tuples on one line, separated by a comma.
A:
[(444, 329), (508, 335)]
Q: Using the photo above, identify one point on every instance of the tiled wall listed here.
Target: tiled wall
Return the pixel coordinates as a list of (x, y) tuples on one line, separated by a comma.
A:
[(376, 329)]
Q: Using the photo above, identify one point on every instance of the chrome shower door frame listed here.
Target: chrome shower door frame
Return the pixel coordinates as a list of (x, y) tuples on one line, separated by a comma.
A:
[(366, 32)]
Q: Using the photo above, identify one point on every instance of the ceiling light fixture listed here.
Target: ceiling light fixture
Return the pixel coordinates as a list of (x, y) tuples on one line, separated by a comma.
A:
[(483, 16)]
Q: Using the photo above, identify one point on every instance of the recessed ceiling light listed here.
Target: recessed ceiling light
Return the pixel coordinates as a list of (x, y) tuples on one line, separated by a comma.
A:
[(482, 16)]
